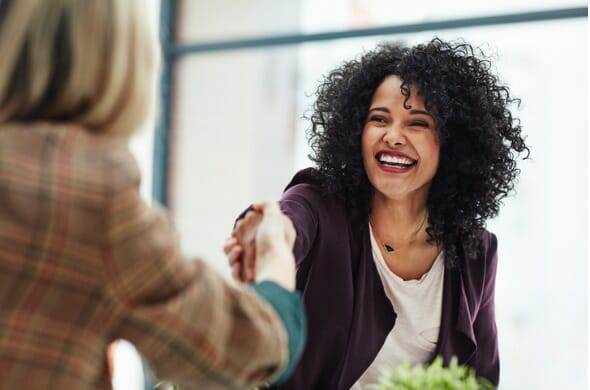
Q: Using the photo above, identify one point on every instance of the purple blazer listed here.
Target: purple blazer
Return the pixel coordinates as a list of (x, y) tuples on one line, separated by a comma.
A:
[(349, 315)]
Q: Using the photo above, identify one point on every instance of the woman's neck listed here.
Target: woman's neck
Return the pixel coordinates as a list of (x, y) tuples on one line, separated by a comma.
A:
[(398, 215)]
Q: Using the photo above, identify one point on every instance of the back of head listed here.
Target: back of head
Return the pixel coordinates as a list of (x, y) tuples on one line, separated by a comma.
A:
[(90, 62)]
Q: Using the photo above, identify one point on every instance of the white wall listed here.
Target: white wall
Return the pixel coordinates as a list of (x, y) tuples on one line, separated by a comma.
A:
[(232, 123)]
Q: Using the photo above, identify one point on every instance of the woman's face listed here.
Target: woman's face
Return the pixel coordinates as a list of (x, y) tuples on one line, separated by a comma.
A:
[(399, 145)]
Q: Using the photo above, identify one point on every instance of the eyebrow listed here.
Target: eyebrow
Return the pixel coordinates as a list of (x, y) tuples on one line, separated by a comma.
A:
[(384, 109), (422, 112)]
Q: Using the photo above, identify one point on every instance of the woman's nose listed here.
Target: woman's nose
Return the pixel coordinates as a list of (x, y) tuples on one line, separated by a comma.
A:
[(394, 136)]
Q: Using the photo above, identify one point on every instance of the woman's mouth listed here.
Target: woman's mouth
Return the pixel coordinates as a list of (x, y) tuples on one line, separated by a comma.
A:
[(395, 162)]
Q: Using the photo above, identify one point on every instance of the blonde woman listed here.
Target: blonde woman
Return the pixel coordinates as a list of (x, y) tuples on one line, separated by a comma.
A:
[(84, 261)]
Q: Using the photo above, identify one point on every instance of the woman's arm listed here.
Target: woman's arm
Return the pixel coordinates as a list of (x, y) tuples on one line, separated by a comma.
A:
[(298, 203), (192, 327)]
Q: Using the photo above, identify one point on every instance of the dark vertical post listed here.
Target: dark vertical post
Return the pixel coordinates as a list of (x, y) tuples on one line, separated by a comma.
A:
[(162, 132)]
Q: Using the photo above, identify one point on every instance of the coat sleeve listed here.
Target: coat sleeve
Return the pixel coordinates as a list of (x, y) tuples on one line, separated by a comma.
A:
[(486, 358), (193, 328), (298, 204)]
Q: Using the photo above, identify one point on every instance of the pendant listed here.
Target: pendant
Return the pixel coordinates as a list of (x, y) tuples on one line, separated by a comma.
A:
[(388, 248)]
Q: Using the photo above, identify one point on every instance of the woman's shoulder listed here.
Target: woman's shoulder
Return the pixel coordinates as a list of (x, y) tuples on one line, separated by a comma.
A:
[(106, 156), (489, 244), (307, 179), (306, 187), (71, 151), (484, 265)]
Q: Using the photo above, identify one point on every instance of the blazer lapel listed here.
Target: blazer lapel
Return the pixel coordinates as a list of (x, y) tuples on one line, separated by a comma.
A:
[(456, 334), (373, 316)]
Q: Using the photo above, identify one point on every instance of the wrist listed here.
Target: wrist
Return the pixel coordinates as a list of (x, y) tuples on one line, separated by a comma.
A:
[(279, 267)]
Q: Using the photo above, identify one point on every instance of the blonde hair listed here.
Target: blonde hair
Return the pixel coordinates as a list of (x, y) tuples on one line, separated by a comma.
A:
[(86, 61)]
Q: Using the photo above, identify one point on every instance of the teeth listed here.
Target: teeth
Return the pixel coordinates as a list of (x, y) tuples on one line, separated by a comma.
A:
[(388, 159)]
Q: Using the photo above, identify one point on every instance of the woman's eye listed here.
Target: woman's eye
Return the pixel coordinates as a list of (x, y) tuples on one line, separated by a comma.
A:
[(419, 124), (377, 118)]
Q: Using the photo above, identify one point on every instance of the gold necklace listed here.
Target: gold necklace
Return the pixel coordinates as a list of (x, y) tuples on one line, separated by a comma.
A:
[(389, 248)]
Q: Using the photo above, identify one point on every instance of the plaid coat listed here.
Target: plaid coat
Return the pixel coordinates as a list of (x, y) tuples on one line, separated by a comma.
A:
[(84, 261)]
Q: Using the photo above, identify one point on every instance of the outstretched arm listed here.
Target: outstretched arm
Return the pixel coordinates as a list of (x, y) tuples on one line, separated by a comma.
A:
[(193, 328)]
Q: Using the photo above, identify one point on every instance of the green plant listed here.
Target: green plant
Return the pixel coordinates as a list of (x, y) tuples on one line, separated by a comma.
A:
[(166, 386), (431, 377)]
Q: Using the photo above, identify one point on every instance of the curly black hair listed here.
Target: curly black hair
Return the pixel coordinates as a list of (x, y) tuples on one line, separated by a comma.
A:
[(480, 141)]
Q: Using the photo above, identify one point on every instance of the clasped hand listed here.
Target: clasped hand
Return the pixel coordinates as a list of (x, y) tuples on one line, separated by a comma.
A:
[(261, 247)]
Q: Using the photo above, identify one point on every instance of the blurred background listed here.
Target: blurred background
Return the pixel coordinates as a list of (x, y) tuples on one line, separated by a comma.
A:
[(238, 77)]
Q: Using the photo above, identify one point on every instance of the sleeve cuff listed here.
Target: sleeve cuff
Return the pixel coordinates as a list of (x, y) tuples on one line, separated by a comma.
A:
[(289, 307)]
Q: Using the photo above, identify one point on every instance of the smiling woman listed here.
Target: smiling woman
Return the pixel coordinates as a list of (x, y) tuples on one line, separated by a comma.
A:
[(401, 153), (399, 143), (415, 148)]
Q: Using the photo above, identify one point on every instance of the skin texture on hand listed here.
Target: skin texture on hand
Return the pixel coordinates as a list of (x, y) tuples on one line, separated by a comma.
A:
[(260, 247), (245, 236)]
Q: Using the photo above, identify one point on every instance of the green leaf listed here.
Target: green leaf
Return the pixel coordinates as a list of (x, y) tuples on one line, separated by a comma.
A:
[(431, 377)]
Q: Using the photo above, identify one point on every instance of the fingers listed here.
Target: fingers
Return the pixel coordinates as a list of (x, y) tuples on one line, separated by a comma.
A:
[(274, 246), (249, 262), (263, 230), (245, 229), (244, 235), (275, 224), (229, 244), (233, 250), (233, 256), (267, 207)]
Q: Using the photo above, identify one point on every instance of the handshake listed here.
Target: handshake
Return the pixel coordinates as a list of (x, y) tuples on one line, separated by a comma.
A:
[(260, 247)]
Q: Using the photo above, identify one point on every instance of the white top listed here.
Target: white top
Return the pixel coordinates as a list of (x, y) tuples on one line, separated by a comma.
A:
[(418, 305)]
